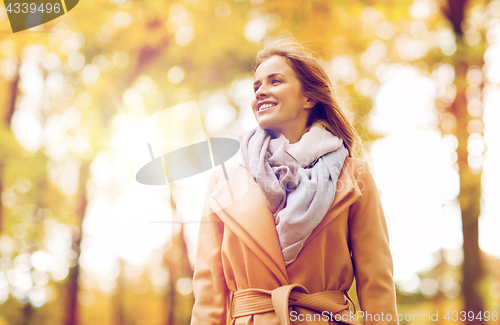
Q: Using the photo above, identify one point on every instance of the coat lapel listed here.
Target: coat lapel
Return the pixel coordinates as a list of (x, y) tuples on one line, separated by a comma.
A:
[(242, 206)]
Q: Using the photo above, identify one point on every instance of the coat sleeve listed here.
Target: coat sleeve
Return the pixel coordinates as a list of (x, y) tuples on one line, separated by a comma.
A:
[(209, 286), (372, 260)]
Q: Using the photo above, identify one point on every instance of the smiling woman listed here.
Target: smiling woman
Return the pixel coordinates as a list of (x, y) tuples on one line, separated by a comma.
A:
[(307, 219), (279, 103)]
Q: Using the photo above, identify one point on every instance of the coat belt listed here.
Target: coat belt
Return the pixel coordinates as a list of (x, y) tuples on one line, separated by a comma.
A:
[(255, 301)]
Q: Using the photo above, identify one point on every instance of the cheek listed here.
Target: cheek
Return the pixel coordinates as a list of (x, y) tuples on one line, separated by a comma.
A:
[(253, 104)]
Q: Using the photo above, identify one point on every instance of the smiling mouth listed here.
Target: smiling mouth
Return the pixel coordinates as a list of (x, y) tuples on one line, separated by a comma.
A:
[(267, 107)]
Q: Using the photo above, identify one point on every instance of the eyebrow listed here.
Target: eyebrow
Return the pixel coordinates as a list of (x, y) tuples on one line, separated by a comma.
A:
[(269, 76)]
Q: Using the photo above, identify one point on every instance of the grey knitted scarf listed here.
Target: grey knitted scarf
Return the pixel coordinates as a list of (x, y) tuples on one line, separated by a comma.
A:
[(299, 180)]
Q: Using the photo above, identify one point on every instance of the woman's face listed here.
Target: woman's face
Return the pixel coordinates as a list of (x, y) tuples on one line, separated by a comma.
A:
[(279, 103)]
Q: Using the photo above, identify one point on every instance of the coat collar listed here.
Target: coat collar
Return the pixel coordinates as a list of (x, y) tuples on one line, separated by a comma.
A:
[(242, 206)]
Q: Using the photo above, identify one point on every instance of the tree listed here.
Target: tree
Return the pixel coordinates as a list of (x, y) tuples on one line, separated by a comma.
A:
[(470, 180)]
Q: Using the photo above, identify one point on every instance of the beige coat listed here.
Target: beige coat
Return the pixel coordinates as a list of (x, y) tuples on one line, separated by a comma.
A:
[(238, 249)]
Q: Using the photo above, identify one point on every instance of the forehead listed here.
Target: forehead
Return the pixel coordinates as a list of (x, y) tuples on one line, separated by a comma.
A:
[(275, 64)]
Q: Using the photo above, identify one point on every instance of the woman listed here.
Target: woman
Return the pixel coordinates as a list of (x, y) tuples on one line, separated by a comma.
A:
[(286, 231)]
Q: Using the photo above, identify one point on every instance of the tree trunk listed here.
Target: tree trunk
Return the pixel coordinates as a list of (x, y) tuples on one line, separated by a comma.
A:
[(177, 261), (27, 312), (469, 199), (470, 183), (7, 123), (169, 298), (169, 261), (72, 310), (119, 297), (13, 98)]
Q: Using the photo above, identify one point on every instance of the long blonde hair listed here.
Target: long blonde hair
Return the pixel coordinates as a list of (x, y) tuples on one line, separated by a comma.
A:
[(316, 85)]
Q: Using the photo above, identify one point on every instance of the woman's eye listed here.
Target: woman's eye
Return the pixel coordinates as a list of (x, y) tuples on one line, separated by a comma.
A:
[(276, 80)]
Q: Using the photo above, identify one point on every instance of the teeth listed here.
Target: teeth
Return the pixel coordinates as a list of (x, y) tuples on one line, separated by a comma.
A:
[(266, 106)]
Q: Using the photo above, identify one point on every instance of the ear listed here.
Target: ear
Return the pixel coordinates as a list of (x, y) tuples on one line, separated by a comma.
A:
[(310, 103)]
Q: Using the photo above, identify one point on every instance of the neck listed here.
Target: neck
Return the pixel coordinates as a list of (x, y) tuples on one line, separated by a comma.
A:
[(293, 134), (294, 137)]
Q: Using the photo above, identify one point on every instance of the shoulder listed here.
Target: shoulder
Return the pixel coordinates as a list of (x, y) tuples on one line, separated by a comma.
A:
[(361, 171), (356, 166)]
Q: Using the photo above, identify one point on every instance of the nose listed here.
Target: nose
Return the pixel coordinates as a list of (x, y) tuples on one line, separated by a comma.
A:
[(261, 92)]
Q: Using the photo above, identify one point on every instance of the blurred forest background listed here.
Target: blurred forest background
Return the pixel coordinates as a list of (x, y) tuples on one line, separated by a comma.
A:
[(77, 245)]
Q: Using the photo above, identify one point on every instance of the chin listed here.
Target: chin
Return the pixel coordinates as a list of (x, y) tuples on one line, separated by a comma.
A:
[(269, 127), (266, 125)]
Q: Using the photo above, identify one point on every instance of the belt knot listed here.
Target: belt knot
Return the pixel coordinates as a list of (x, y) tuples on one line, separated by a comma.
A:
[(256, 301)]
